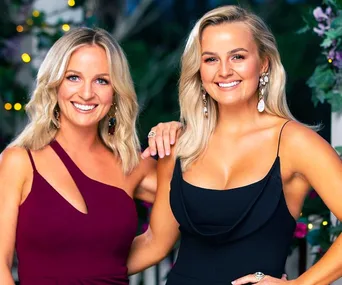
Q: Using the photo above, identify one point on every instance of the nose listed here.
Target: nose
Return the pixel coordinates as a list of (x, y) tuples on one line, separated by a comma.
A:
[(87, 92), (225, 69)]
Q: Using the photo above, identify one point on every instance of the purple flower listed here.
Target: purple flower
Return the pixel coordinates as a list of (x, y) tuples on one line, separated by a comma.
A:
[(338, 59), (313, 194), (301, 230), (319, 14)]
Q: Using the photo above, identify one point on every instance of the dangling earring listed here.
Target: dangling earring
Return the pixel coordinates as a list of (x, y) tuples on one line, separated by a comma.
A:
[(264, 79), (112, 119), (205, 102), (56, 115)]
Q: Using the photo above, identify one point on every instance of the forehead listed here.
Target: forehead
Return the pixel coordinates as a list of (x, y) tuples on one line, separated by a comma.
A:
[(228, 36), (89, 55)]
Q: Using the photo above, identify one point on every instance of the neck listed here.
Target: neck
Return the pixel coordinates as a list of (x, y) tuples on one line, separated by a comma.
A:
[(239, 118), (78, 139)]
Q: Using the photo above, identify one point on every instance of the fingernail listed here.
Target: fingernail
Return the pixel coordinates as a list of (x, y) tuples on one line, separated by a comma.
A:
[(172, 142), (167, 153), (153, 153), (161, 155), (232, 282)]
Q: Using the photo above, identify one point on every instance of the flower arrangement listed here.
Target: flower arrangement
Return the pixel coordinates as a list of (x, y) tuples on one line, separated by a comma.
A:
[(326, 81)]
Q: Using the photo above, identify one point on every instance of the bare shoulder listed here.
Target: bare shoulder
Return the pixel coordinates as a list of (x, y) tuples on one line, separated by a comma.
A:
[(14, 160), (296, 136), (303, 146)]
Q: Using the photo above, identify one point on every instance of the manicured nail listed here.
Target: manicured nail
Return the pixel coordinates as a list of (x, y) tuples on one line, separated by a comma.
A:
[(232, 282), (153, 153), (167, 153)]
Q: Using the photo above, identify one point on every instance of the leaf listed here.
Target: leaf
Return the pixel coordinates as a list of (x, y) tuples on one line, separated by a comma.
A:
[(339, 149), (303, 30), (323, 78), (334, 33), (326, 43), (335, 100), (337, 22), (336, 230)]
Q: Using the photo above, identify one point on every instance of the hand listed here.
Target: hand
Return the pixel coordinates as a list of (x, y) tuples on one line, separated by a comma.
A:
[(160, 139), (266, 280)]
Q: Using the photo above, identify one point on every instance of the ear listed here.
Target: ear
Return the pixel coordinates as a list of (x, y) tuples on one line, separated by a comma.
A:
[(265, 65)]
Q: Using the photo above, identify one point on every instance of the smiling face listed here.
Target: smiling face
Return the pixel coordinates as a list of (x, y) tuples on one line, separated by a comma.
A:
[(230, 65), (85, 94)]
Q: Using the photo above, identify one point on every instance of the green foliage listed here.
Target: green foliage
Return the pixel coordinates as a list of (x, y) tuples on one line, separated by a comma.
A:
[(324, 83)]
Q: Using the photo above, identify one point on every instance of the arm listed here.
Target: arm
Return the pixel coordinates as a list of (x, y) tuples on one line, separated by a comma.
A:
[(322, 167), (152, 246), (166, 135), (311, 157), (11, 186)]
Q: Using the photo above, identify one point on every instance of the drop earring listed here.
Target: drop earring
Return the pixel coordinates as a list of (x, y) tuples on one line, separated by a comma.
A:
[(112, 119), (205, 102), (56, 115), (264, 80)]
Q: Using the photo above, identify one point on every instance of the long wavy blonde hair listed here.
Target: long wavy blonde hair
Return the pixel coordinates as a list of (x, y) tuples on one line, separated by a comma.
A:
[(41, 129), (198, 128)]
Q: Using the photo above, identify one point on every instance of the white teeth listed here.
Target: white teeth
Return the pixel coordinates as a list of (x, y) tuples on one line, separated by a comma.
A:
[(230, 84), (84, 107)]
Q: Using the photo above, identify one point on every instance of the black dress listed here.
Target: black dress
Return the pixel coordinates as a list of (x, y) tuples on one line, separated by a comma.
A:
[(231, 233)]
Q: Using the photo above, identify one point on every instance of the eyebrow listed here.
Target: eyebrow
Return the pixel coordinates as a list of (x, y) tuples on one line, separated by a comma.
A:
[(229, 52), (77, 72)]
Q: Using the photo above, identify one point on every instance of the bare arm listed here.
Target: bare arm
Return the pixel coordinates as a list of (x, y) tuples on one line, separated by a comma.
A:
[(11, 185), (322, 167), (152, 246), (313, 158)]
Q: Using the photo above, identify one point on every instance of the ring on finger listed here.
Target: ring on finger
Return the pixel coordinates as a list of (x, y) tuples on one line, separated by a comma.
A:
[(259, 276), (151, 134)]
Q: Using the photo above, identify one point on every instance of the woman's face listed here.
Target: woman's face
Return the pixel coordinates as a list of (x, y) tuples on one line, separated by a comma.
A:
[(85, 94), (230, 65)]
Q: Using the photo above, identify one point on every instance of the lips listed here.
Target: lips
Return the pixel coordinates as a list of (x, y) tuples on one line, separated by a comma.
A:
[(228, 84), (83, 107)]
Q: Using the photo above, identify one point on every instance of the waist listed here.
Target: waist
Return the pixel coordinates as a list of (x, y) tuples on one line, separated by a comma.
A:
[(60, 280)]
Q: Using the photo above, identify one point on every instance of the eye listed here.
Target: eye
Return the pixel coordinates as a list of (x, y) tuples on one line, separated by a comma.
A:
[(73, 77), (238, 56), (210, 59), (102, 81)]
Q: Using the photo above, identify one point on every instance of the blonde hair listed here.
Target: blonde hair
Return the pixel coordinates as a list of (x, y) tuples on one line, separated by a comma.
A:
[(42, 128), (198, 128)]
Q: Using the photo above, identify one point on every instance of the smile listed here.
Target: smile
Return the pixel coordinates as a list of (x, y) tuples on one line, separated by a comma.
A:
[(84, 107), (228, 85)]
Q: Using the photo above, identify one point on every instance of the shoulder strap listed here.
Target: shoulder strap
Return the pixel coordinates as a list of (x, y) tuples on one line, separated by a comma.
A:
[(31, 159), (281, 130)]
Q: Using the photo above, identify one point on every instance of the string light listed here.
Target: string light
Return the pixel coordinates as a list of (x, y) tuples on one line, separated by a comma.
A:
[(325, 223), (20, 28), (310, 226), (17, 106), (29, 22), (65, 27), (330, 60), (8, 106), (35, 13), (71, 3), (26, 57)]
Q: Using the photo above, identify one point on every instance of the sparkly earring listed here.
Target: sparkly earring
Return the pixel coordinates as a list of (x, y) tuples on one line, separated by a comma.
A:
[(56, 115), (264, 79), (112, 119), (205, 102)]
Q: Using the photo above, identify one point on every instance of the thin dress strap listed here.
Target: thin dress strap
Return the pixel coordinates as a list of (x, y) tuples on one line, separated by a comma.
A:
[(31, 159), (281, 130)]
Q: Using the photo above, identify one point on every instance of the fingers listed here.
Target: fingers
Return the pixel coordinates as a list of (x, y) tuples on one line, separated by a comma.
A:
[(175, 126), (165, 136), (250, 278), (284, 277), (146, 153)]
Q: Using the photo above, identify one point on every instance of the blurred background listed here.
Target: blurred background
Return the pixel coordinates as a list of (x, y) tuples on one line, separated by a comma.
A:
[(152, 34)]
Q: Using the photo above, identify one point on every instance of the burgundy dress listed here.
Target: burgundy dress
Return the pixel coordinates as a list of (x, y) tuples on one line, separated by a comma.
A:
[(58, 245)]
